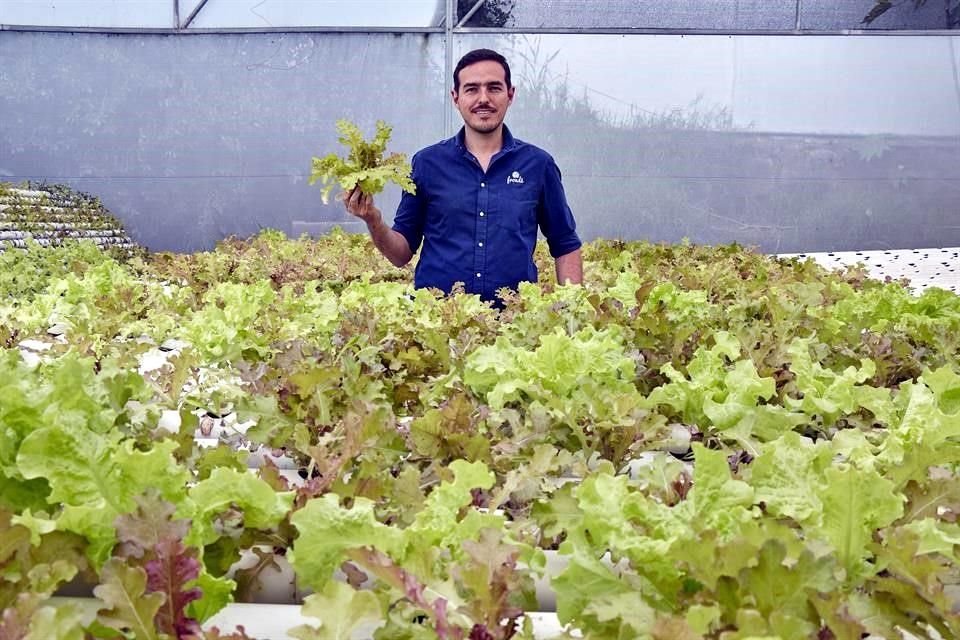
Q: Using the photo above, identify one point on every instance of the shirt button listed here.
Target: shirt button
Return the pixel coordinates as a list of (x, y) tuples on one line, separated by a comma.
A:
[(481, 214), (479, 244), (478, 275), (483, 184)]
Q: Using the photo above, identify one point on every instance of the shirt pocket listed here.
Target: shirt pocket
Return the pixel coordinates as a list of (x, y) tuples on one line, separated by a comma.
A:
[(517, 209)]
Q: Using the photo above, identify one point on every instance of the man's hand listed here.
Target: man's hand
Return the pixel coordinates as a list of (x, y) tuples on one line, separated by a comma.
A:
[(361, 205), (570, 268)]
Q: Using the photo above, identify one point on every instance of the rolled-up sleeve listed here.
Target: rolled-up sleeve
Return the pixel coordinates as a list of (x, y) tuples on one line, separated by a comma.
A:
[(411, 214), (554, 215)]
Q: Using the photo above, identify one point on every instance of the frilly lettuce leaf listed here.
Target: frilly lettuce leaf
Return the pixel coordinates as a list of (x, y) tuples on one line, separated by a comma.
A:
[(724, 393), (855, 504), (228, 490), (829, 394), (787, 475), (328, 530), (341, 611), (586, 374), (365, 165), (127, 604)]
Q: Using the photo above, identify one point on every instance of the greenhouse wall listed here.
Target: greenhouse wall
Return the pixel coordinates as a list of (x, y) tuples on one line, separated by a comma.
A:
[(793, 141), (190, 138)]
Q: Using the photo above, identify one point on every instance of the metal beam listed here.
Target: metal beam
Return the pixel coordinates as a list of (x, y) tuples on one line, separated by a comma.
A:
[(193, 14), (176, 14), (224, 30), (470, 13), (703, 32), (487, 30)]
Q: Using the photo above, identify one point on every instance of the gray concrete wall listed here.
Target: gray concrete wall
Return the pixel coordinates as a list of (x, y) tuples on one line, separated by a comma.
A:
[(787, 143)]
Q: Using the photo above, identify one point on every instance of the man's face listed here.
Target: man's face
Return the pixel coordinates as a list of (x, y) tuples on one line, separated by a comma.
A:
[(483, 97)]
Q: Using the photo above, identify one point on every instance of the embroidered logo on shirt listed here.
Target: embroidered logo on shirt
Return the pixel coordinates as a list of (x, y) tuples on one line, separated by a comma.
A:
[(515, 178)]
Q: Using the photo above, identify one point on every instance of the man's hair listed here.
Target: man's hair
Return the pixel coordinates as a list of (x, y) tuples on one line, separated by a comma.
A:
[(480, 55)]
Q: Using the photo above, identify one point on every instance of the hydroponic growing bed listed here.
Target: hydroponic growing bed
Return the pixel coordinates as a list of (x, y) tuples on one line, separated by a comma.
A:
[(702, 442)]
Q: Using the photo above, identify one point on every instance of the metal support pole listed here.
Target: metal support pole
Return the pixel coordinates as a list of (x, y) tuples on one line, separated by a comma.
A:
[(176, 14), (448, 25)]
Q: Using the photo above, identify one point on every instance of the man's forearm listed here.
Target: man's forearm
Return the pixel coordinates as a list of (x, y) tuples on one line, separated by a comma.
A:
[(390, 243), (569, 268)]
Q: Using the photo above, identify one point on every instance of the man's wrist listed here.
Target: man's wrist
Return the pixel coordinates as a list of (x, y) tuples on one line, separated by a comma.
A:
[(375, 225)]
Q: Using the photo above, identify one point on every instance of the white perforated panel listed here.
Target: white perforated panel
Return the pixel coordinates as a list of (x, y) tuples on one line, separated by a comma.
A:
[(922, 267)]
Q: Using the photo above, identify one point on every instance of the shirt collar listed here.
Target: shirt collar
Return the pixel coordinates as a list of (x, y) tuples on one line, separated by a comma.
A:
[(508, 140)]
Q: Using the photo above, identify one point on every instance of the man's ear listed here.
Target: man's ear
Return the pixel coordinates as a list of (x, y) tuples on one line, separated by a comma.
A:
[(512, 90), (454, 95)]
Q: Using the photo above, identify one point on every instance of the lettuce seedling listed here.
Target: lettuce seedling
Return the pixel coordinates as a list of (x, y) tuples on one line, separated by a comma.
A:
[(366, 164)]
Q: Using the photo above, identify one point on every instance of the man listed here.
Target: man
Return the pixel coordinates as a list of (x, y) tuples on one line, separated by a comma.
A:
[(480, 198)]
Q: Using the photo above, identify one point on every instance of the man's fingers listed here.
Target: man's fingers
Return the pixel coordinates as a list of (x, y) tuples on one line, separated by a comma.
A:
[(364, 201), (361, 200), (351, 200), (359, 203)]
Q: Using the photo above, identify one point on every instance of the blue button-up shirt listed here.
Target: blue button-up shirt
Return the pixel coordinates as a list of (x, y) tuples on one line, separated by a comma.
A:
[(480, 228)]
